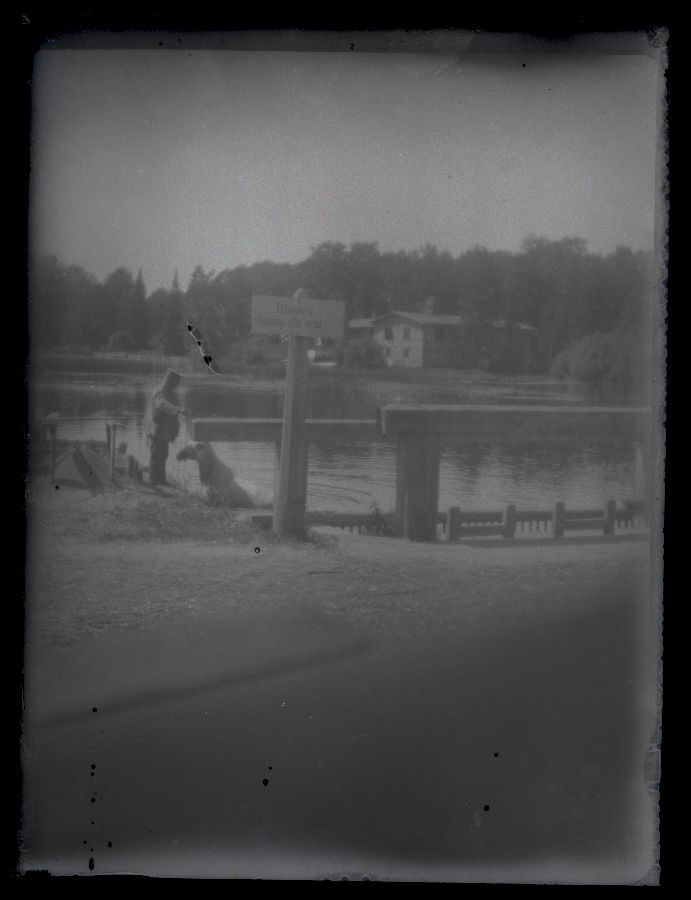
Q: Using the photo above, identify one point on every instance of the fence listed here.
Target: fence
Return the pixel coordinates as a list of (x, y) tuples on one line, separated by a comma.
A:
[(558, 520)]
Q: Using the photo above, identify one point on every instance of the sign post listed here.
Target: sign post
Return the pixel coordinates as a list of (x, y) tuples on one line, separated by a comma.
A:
[(300, 318)]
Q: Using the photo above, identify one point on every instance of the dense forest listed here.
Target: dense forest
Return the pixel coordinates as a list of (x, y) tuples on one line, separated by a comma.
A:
[(592, 313)]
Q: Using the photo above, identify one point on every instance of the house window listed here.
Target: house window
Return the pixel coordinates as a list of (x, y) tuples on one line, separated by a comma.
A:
[(388, 333), (438, 333), (406, 333), (406, 352)]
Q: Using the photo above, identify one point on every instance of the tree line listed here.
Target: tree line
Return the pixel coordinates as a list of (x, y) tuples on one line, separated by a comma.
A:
[(583, 306)]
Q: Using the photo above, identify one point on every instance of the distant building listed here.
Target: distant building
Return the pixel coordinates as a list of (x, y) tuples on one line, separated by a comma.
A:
[(426, 339), (417, 339)]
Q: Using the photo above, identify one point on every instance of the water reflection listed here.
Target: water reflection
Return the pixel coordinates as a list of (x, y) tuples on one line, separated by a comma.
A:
[(350, 477)]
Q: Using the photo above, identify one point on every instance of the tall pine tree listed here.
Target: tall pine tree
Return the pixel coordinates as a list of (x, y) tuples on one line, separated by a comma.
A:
[(174, 327)]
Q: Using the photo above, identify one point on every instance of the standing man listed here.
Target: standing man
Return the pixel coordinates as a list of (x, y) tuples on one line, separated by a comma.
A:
[(163, 426)]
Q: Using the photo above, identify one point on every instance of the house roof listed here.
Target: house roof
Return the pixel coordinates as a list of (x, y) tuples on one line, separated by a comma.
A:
[(519, 326), (361, 323), (423, 318)]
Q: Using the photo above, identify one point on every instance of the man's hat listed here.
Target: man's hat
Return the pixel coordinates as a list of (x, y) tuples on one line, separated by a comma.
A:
[(171, 378)]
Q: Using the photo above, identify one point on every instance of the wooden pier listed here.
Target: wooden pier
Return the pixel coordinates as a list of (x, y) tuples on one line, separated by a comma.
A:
[(418, 432)]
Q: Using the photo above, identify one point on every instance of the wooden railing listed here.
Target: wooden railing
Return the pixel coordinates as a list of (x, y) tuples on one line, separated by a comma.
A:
[(558, 520)]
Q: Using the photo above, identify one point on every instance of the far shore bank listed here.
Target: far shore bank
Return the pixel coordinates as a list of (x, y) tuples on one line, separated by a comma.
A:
[(148, 366)]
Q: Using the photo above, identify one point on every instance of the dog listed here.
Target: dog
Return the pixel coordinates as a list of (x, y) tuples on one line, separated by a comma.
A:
[(219, 482)]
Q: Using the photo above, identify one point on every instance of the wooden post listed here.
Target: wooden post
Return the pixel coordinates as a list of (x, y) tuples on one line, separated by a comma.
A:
[(417, 485), (277, 470), (110, 444), (640, 487), (559, 519), (290, 502), (608, 525), (509, 522), (52, 428), (452, 523)]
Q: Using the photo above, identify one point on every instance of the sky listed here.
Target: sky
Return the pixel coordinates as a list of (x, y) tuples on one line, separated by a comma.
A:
[(165, 159)]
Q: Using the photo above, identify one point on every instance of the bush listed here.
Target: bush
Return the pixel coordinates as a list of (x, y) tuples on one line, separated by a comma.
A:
[(157, 343), (364, 353), (120, 341), (601, 361)]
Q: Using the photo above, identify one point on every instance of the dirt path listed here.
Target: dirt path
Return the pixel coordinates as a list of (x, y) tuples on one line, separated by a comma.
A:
[(351, 703), (118, 561), (113, 563)]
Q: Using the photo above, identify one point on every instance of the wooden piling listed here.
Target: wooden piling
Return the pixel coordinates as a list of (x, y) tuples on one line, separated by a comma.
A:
[(452, 523), (417, 486), (509, 521), (559, 519), (52, 443), (110, 445), (290, 503), (277, 471), (609, 517)]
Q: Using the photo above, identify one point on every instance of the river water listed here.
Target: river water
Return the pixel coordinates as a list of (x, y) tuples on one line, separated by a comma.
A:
[(351, 477)]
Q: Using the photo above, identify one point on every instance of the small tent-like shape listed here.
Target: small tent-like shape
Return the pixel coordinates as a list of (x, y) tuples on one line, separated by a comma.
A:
[(81, 467)]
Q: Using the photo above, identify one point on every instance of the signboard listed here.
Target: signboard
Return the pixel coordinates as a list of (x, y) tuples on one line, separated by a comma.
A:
[(306, 317)]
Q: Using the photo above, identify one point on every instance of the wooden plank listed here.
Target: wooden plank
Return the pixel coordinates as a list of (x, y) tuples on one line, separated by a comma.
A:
[(516, 422), (575, 514), (585, 524), (480, 517), (269, 430), (534, 515), (481, 531)]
